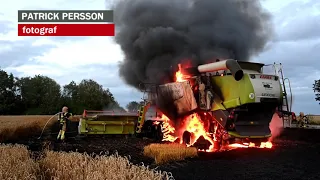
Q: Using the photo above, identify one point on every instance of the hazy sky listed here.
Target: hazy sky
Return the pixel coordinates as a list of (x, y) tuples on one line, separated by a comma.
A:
[(296, 45)]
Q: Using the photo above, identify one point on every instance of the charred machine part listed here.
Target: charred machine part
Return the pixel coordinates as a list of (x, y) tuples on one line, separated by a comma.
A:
[(176, 99), (229, 64)]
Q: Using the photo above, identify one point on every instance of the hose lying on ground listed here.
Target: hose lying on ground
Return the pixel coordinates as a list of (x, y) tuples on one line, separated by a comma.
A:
[(46, 124)]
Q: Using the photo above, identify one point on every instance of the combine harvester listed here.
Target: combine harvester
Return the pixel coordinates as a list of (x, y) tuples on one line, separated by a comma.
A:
[(235, 101)]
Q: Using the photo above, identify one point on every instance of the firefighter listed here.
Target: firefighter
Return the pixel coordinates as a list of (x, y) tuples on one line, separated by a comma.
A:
[(303, 120), (64, 117)]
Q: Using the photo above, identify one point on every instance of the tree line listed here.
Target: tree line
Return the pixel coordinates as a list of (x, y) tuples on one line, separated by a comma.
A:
[(41, 95)]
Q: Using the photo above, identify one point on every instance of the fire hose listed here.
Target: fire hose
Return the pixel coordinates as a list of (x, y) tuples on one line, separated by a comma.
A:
[(47, 124)]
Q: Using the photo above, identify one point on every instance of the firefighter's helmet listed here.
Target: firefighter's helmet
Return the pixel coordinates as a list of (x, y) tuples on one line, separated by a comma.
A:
[(65, 109)]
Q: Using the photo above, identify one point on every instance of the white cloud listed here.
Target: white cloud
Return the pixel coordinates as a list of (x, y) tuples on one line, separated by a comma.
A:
[(68, 58), (95, 50)]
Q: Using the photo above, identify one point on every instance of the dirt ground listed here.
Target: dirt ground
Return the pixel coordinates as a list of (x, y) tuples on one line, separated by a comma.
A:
[(294, 156)]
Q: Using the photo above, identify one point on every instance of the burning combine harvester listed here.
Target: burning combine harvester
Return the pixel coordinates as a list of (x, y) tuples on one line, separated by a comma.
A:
[(213, 106)]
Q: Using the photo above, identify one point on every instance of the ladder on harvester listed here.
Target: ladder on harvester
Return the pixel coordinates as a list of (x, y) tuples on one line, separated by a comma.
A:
[(144, 107), (286, 106), (141, 118)]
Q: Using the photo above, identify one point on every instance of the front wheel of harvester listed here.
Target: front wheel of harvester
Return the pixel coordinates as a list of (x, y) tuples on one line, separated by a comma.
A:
[(158, 133), (186, 137)]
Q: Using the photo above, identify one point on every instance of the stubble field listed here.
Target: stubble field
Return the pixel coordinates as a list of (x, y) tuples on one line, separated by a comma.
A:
[(294, 156)]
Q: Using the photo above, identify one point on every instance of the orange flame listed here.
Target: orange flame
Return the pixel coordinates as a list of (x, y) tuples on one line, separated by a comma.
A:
[(247, 145), (180, 77), (195, 126), (167, 130), (266, 145)]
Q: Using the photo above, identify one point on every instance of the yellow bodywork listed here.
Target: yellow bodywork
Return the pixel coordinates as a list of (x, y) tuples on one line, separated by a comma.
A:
[(108, 124)]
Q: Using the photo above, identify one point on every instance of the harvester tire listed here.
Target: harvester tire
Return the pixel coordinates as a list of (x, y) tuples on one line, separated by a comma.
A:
[(186, 137), (158, 133)]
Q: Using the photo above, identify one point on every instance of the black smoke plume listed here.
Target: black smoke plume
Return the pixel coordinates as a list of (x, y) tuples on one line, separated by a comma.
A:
[(156, 35)]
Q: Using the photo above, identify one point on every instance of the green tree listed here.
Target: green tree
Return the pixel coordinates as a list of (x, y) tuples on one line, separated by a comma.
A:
[(316, 89), (133, 106), (70, 97), (90, 95), (40, 94), (9, 98)]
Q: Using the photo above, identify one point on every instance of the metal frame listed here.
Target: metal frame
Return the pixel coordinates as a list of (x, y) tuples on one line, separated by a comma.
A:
[(279, 72)]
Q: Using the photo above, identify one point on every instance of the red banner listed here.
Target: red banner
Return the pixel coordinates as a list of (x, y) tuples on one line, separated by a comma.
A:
[(66, 30)]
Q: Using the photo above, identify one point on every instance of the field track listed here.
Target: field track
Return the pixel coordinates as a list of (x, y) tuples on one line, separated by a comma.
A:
[(296, 155)]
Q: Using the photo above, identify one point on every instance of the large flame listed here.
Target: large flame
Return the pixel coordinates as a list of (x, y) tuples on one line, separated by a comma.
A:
[(168, 130), (180, 77), (195, 126), (247, 145)]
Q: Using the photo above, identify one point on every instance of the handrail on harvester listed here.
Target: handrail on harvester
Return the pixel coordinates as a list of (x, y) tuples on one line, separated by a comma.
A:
[(85, 112)]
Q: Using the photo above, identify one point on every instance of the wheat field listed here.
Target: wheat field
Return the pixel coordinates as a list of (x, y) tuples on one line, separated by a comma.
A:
[(16, 163), (62, 165), (314, 119), (164, 153), (14, 127)]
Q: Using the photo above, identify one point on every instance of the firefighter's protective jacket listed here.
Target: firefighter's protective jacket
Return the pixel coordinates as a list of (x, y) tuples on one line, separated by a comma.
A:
[(63, 117)]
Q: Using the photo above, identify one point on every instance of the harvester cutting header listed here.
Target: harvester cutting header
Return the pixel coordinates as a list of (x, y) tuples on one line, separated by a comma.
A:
[(210, 106)]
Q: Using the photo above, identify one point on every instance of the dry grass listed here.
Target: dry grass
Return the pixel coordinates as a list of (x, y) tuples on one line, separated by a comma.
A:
[(74, 165), (164, 153), (314, 119), (14, 127), (17, 164)]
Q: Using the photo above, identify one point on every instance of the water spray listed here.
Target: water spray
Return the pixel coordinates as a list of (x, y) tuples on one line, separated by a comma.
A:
[(47, 124)]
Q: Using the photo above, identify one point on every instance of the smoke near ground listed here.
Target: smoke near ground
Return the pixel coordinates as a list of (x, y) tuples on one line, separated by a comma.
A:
[(156, 35), (276, 126)]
